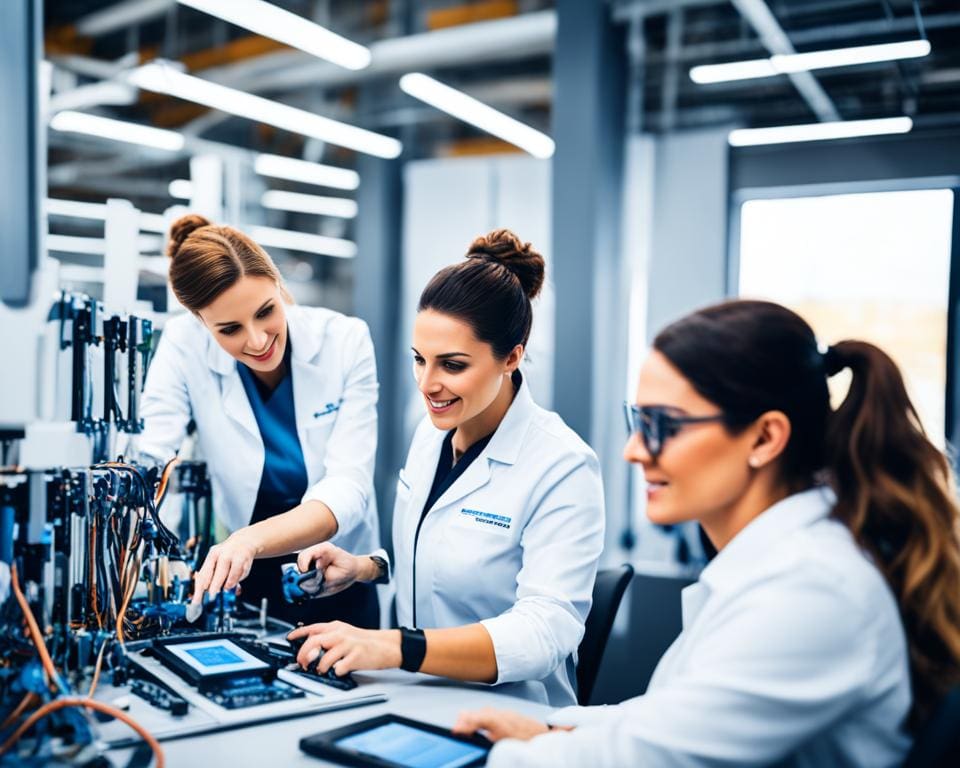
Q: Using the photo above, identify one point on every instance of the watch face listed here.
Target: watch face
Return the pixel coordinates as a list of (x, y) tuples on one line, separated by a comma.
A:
[(381, 564)]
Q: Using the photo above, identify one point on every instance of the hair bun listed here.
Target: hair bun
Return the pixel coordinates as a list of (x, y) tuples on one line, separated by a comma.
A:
[(182, 228), (505, 248)]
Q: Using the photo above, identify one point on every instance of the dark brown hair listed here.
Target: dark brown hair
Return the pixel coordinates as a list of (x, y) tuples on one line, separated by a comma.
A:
[(491, 290), (894, 488), (207, 259)]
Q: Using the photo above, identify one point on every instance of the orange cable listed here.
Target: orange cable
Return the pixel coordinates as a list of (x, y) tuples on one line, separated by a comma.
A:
[(53, 706), (96, 670), (21, 708), (35, 634)]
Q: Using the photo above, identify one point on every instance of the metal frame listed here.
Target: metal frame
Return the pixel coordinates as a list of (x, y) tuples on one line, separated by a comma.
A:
[(23, 152)]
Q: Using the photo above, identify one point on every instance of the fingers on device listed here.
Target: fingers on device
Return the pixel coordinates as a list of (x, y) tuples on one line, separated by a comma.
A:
[(330, 677), (300, 587), (391, 741)]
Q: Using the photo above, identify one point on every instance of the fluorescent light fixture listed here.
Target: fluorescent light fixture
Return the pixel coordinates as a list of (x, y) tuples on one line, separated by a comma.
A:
[(76, 209), (181, 188), (270, 21), (69, 121), (302, 241), (840, 129), (280, 200), (468, 109), (304, 171), (149, 222), (164, 78), (804, 62), (96, 246)]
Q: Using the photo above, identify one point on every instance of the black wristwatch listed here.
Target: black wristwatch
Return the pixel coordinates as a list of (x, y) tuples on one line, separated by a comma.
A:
[(383, 575), (413, 647)]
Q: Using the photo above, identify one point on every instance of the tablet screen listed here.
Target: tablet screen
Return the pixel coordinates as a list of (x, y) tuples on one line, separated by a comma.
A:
[(411, 747), (214, 656)]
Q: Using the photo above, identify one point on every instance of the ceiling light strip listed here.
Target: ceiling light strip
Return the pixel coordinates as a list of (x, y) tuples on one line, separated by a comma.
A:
[(470, 110), (278, 24), (780, 64), (842, 129), (281, 200), (69, 121), (163, 78)]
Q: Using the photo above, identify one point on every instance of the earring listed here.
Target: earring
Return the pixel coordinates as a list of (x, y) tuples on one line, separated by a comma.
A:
[(753, 461)]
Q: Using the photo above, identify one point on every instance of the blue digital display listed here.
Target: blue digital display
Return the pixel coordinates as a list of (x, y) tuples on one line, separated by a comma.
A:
[(411, 747), (214, 656)]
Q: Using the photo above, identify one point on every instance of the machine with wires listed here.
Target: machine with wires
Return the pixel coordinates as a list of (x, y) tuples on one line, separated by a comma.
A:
[(86, 563), (98, 634)]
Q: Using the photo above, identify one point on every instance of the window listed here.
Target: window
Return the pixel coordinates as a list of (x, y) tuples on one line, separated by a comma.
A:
[(872, 266)]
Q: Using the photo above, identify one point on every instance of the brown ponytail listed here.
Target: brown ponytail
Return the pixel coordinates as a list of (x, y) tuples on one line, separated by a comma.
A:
[(895, 493), (894, 488), (207, 259)]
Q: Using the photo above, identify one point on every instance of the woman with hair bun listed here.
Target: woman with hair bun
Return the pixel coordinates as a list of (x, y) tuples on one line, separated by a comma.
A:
[(826, 631), (284, 399), (499, 517)]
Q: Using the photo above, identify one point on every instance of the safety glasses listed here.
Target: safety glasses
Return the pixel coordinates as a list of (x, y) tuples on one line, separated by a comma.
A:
[(655, 424)]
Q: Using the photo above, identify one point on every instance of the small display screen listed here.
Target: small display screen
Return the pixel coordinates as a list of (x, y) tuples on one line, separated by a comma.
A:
[(214, 657), (411, 747)]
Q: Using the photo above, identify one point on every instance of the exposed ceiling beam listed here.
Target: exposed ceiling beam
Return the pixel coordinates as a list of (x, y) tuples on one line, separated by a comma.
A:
[(628, 10), (526, 36), (775, 40)]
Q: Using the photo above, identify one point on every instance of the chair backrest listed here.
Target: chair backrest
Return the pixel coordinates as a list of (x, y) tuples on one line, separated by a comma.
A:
[(938, 743), (608, 590)]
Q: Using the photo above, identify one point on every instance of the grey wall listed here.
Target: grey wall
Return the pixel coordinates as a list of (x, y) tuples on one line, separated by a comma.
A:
[(689, 237)]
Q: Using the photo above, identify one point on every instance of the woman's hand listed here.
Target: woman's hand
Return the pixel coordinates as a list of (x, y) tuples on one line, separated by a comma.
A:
[(499, 724), (340, 568), (227, 564), (347, 648)]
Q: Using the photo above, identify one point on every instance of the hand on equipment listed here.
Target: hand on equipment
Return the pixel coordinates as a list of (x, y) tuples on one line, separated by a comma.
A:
[(340, 569), (227, 564), (299, 587), (499, 724), (347, 648)]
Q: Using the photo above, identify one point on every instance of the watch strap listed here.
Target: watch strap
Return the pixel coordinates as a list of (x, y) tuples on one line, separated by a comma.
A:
[(413, 648)]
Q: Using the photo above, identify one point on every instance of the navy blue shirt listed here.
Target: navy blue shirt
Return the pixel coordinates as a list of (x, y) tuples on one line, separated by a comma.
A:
[(282, 485), (284, 478)]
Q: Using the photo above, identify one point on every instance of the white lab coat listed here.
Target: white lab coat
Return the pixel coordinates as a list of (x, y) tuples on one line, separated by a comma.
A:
[(792, 653), (513, 544), (335, 400)]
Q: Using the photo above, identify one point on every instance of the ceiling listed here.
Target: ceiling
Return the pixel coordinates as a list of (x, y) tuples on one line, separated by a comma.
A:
[(510, 69)]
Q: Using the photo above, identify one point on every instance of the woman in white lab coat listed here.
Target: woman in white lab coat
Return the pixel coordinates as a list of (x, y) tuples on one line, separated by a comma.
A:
[(499, 517), (284, 402), (828, 626)]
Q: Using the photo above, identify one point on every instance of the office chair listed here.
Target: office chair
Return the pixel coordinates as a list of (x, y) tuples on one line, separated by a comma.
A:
[(938, 743), (608, 590)]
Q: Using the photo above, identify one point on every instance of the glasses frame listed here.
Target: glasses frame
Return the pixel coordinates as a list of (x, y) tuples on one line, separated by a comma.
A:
[(655, 424)]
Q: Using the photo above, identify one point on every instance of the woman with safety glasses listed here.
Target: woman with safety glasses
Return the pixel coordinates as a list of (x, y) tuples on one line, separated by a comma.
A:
[(828, 626)]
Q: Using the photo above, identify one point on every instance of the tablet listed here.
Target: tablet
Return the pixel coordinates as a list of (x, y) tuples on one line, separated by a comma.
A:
[(209, 659), (391, 741)]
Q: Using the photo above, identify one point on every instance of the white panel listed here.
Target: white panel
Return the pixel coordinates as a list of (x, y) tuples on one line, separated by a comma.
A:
[(447, 203), (522, 203), (206, 174), (121, 260)]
